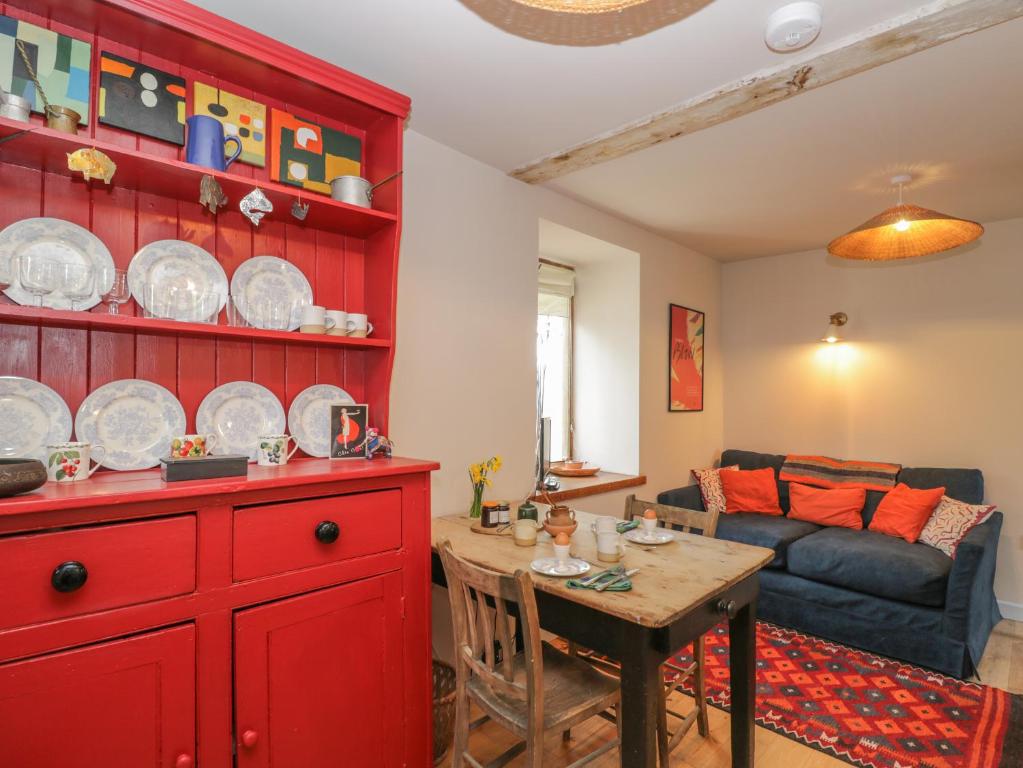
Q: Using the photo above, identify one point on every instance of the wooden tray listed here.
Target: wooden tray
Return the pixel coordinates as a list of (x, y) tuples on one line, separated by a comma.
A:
[(505, 529)]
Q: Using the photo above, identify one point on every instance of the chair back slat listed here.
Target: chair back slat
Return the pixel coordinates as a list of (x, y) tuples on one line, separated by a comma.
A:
[(676, 518)]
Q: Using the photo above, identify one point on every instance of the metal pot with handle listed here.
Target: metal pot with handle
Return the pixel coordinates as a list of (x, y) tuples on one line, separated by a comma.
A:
[(356, 190)]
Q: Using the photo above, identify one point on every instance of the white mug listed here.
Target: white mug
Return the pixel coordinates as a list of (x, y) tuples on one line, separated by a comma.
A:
[(314, 319), (606, 524), (68, 462), (273, 450), (340, 319), (524, 532), (359, 325), (609, 547)]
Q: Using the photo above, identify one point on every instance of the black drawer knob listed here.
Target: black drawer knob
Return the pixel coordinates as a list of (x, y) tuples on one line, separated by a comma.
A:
[(728, 608), (69, 576), (327, 532)]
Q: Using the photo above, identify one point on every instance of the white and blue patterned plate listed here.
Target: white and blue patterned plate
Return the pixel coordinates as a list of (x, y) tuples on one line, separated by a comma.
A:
[(268, 278), (238, 413), (134, 420), (55, 240), (32, 416), (309, 417), (174, 265)]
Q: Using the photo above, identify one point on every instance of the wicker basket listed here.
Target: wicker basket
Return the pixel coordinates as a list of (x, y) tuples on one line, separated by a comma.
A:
[(443, 709)]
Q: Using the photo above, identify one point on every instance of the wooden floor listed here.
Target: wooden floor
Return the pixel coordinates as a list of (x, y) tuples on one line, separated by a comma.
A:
[(1002, 667)]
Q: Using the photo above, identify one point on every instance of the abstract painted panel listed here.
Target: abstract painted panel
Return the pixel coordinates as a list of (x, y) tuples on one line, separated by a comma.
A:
[(141, 99), (240, 117), (308, 155), (61, 64), (685, 358)]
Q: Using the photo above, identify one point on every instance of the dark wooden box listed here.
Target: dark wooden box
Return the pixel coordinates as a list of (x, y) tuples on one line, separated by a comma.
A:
[(172, 470)]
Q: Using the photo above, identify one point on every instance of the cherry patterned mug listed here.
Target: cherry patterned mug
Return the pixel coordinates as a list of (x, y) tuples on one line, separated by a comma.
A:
[(68, 462)]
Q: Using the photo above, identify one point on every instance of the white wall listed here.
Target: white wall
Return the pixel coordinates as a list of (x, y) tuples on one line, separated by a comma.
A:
[(930, 375)]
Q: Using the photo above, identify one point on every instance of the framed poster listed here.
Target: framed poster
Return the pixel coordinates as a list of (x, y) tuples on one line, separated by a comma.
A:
[(685, 358), (348, 437)]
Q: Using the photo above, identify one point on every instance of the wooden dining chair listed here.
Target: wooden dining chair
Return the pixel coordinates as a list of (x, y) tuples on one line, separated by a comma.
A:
[(688, 521), (529, 690)]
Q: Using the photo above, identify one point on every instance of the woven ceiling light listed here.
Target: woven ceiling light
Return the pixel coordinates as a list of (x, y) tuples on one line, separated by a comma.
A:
[(903, 232), (581, 6)]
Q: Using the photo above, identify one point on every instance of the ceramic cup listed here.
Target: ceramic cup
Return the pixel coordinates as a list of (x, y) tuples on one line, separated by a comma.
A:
[(340, 319), (273, 450), (315, 320), (359, 325), (192, 446), (609, 547), (649, 524), (561, 554), (606, 524), (524, 532), (68, 462)]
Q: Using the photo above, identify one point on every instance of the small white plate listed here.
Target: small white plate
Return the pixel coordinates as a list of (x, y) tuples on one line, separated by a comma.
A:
[(657, 536), (32, 416), (55, 240), (238, 413), (309, 417), (170, 265), (549, 566), (134, 420), (264, 278)]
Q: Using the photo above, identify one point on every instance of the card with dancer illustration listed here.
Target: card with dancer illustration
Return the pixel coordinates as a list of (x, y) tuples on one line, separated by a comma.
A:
[(349, 437)]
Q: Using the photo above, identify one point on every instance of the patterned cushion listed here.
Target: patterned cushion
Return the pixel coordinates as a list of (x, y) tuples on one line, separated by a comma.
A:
[(950, 523), (710, 487)]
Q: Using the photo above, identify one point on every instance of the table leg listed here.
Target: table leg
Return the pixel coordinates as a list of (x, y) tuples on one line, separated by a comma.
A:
[(641, 677), (742, 632)]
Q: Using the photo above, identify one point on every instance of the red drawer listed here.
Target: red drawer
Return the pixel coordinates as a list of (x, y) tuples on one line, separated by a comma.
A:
[(276, 538), (108, 566)]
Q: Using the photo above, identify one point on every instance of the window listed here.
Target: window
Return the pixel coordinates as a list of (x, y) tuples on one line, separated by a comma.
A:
[(554, 353)]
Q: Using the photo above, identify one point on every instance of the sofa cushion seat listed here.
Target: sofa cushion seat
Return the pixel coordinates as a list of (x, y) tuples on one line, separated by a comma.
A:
[(776, 533), (872, 563)]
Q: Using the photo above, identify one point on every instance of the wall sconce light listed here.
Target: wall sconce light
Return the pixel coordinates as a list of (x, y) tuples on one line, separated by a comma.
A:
[(833, 335)]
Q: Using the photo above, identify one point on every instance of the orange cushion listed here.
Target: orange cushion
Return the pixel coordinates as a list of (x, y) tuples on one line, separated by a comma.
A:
[(839, 507), (904, 511), (751, 490)]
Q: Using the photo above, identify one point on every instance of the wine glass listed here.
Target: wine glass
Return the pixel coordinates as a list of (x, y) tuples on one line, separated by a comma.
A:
[(38, 276), (76, 281), (118, 293)]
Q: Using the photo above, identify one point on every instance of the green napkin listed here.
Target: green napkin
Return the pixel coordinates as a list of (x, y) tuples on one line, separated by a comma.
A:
[(622, 586), (623, 527)]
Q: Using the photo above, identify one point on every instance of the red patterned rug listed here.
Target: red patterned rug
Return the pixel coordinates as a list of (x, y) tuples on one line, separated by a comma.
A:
[(871, 711)]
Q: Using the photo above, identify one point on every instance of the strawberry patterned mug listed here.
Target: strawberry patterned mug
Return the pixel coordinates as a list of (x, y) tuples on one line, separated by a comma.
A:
[(68, 462)]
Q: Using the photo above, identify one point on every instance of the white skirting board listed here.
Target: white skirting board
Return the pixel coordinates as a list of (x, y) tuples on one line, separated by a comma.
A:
[(1013, 611)]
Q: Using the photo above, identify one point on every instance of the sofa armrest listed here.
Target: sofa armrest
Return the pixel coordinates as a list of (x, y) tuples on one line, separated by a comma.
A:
[(687, 497), (971, 610)]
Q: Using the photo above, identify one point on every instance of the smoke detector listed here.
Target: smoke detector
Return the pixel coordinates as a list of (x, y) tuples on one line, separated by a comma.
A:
[(793, 26)]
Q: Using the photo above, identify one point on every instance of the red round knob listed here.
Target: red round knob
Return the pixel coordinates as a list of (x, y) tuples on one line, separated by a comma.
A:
[(184, 761), (249, 738)]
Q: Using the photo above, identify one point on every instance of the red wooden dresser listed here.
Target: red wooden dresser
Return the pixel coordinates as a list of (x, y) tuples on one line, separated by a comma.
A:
[(280, 619)]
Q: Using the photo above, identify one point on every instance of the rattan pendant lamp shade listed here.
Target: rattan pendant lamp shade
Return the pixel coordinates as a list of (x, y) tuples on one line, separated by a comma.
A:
[(904, 231), (581, 6)]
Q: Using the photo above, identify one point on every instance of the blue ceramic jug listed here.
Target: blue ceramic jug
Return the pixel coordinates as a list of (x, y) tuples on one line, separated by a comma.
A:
[(206, 143)]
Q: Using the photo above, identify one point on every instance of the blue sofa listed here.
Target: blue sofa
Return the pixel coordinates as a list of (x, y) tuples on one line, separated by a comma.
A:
[(868, 590)]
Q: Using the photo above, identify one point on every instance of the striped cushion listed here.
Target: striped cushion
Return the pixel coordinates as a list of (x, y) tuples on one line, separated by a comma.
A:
[(824, 472)]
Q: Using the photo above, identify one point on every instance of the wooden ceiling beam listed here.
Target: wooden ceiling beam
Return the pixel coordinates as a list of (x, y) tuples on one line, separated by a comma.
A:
[(928, 26)]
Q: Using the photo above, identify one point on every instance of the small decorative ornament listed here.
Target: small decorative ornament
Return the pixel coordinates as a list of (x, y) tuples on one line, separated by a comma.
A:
[(92, 163), (211, 194), (255, 206), (379, 445), (299, 210)]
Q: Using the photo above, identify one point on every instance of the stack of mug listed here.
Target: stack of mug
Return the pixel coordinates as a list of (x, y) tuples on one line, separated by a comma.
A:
[(335, 322)]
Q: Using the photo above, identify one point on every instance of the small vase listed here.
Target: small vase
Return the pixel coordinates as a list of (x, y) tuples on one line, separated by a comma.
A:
[(476, 510)]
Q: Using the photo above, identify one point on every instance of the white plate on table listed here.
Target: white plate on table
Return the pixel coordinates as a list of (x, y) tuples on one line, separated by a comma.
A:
[(268, 278), (60, 241), (174, 265), (657, 536), (238, 413), (549, 566), (134, 420), (309, 417), (32, 416)]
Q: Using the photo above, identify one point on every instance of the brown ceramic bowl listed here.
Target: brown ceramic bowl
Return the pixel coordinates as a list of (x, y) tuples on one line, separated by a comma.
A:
[(20, 476), (554, 530)]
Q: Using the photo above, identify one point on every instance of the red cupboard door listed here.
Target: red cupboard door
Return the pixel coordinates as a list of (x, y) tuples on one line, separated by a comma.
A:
[(318, 679), (123, 704)]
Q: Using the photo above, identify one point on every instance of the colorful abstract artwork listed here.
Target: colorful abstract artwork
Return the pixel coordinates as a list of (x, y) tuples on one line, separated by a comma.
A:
[(685, 359), (308, 155), (61, 64), (141, 99), (240, 117)]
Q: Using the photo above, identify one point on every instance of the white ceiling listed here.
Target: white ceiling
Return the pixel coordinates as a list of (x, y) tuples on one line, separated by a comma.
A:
[(785, 178)]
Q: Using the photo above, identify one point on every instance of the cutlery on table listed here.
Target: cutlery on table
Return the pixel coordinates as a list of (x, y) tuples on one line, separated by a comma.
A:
[(617, 579), (617, 570)]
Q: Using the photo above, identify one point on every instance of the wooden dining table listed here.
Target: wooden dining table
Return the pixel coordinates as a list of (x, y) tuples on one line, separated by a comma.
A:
[(683, 589)]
